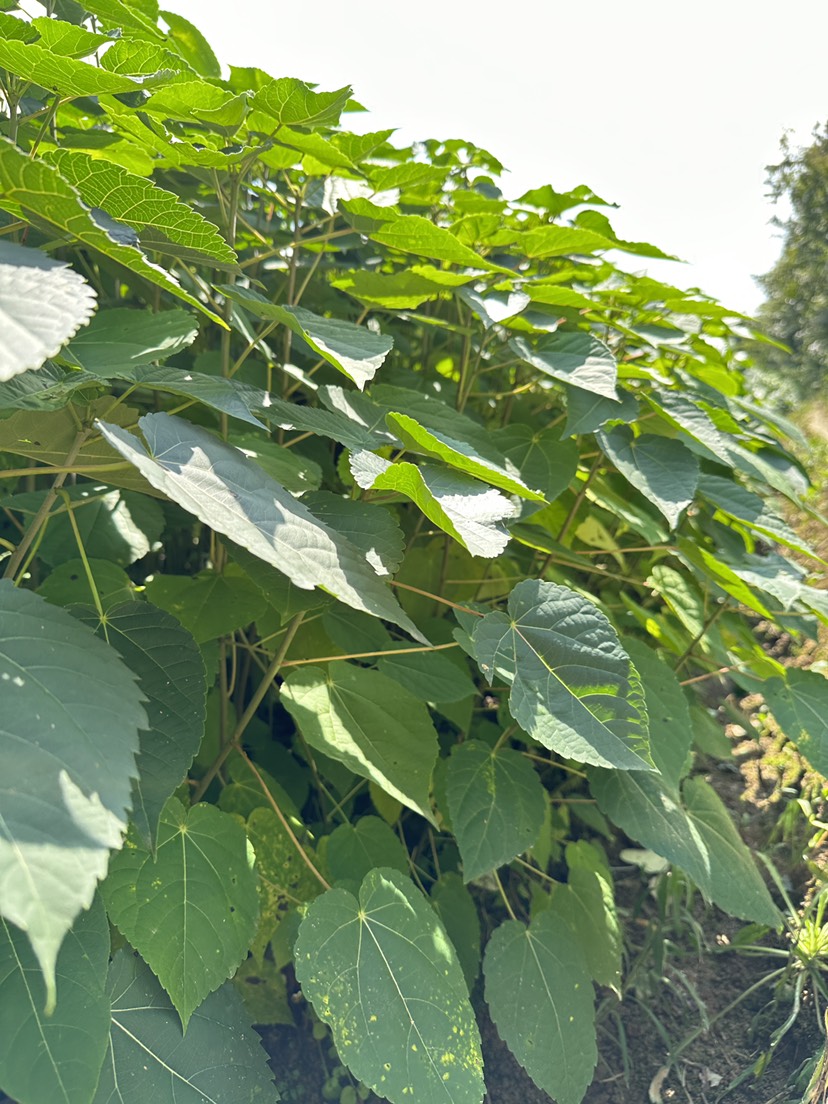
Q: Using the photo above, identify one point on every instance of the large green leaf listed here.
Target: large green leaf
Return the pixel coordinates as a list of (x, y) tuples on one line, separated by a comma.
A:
[(355, 849), (355, 350), (586, 411), (65, 39), (553, 241), (119, 338), (382, 973), (543, 461), (236, 498), (159, 216), (372, 529), (539, 992), (43, 302), (371, 724), (586, 903), (68, 585), (62, 75), (171, 677), (35, 188), (191, 45), (291, 102), (496, 802), (429, 676), (68, 737), (700, 839), (219, 1061), (738, 502), (469, 511), (458, 454), (54, 1059), (573, 686), (671, 732), (410, 234), (208, 605), (401, 290), (191, 910), (576, 358), (799, 704), (118, 526), (131, 17), (664, 470)]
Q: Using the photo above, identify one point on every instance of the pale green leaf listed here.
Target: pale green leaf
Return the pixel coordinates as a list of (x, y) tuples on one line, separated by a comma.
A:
[(291, 102), (555, 241), (496, 802), (403, 290), (191, 45), (43, 302), (220, 1060), (382, 973), (575, 358), (68, 738), (130, 17), (198, 101), (171, 677), (470, 512), (54, 1059), (371, 724), (64, 38), (237, 499), (138, 203), (460, 454), (799, 704), (573, 687), (190, 910), (65, 76), (355, 849), (33, 187), (539, 992), (664, 470), (355, 350)]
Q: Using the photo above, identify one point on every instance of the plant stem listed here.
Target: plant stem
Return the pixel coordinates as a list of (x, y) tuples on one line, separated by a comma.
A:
[(437, 598), (370, 655)]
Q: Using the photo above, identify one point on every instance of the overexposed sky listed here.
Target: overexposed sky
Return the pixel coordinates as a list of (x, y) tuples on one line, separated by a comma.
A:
[(670, 109)]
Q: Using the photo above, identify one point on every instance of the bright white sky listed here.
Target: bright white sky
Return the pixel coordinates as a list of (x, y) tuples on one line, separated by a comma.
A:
[(672, 110)]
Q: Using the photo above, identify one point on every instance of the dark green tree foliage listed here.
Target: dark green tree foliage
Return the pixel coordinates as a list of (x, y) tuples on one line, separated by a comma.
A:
[(362, 531), (795, 312)]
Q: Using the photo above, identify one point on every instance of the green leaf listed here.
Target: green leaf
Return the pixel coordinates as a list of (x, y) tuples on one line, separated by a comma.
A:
[(219, 1060), (285, 880), (171, 677), (36, 188), (735, 882), (355, 351), (119, 338), (43, 302), (372, 529), (237, 499), (68, 584), (291, 102), (459, 454), (573, 687), (738, 502), (542, 460), (277, 590), (671, 732), (192, 45), (62, 75), (467, 510), (587, 905), (55, 1059), (695, 424), (404, 290), (13, 28), (381, 972), (700, 839), (207, 605), (355, 849), (456, 908), (575, 358), (664, 470), (799, 704), (371, 724), (539, 992), (586, 412), (118, 526), (411, 234), (131, 17), (296, 473), (556, 241), (496, 802), (199, 101), (71, 715), (64, 38), (159, 216), (429, 676), (191, 911)]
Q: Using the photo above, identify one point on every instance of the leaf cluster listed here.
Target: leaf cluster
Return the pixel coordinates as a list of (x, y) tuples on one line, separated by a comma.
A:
[(367, 538)]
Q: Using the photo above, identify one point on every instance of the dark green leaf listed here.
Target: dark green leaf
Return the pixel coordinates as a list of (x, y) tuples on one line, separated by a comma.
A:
[(456, 908), (577, 359), (356, 849), (799, 704), (671, 732), (664, 470)]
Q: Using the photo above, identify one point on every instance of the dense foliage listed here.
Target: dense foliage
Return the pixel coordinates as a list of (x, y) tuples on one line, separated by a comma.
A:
[(366, 540), (795, 311)]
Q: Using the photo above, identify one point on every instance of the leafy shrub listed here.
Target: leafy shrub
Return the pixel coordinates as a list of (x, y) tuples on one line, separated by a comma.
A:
[(366, 538)]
